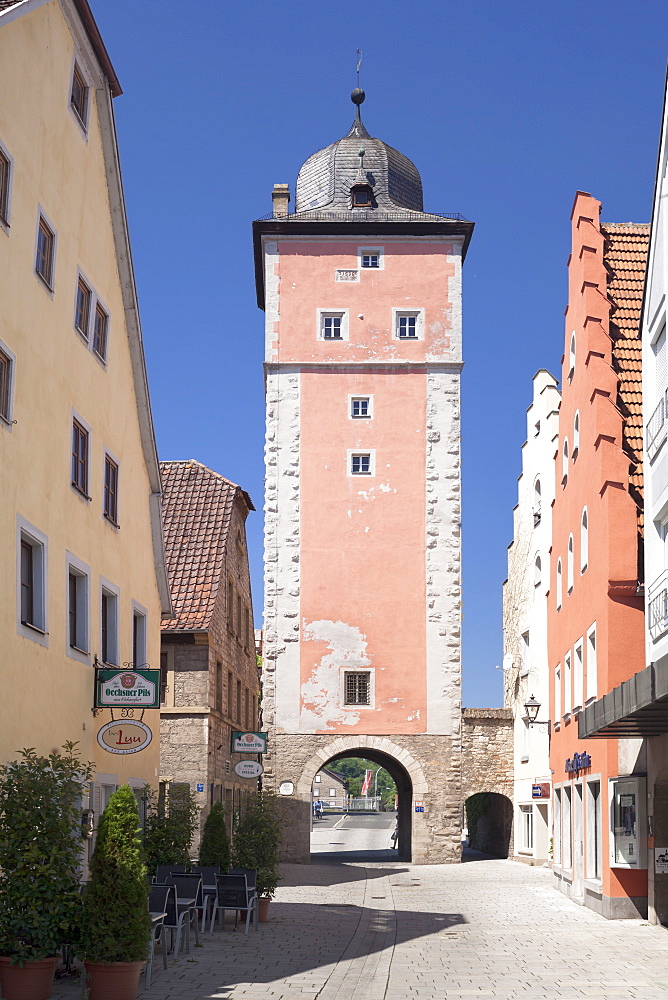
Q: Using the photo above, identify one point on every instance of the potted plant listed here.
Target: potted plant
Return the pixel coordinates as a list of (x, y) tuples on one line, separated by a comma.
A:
[(256, 841), (40, 845), (171, 821), (215, 846), (116, 925)]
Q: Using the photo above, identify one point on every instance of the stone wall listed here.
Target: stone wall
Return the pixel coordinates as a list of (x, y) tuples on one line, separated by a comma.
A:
[(487, 766)]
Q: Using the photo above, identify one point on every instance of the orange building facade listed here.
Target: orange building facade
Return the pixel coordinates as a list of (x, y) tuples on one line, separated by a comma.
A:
[(595, 612)]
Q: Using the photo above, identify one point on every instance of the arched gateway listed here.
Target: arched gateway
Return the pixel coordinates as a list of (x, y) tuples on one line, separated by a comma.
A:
[(362, 294)]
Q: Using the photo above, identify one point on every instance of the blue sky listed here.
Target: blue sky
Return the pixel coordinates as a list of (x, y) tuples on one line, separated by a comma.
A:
[(506, 109)]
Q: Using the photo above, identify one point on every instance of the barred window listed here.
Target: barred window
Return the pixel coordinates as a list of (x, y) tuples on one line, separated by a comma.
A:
[(357, 687)]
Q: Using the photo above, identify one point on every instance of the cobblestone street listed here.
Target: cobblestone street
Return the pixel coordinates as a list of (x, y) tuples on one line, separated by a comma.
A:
[(490, 930)]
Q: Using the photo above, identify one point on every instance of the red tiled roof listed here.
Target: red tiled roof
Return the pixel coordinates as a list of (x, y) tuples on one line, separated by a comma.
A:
[(625, 256), (197, 507)]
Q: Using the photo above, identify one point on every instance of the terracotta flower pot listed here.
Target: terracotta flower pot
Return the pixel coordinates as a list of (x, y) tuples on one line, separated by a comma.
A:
[(32, 982), (263, 908), (113, 980)]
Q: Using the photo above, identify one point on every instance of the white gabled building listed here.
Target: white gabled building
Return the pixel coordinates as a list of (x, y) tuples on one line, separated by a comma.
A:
[(525, 662)]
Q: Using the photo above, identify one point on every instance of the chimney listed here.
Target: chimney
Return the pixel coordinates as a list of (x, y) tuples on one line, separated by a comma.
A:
[(281, 199)]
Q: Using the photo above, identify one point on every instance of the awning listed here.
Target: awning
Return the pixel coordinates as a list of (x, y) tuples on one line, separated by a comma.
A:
[(637, 707)]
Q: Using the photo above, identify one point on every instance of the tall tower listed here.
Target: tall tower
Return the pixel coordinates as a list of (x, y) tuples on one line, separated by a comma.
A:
[(362, 294)]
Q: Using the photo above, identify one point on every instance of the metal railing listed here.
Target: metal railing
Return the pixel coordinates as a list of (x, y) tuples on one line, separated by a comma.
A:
[(655, 431), (361, 215), (657, 606)]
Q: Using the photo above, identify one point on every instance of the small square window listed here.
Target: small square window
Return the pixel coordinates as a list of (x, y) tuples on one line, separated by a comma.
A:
[(357, 687), (4, 187), (407, 326), (110, 489), (79, 96), (370, 260), (360, 406), (45, 247), (80, 458), (100, 332), (331, 327), (82, 308), (360, 465), (6, 371)]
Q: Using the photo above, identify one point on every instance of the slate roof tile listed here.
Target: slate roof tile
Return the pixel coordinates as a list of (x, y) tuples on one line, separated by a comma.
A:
[(197, 508), (625, 256)]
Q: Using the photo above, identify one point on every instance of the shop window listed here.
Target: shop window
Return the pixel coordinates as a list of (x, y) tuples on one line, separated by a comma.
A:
[(594, 852), (526, 813)]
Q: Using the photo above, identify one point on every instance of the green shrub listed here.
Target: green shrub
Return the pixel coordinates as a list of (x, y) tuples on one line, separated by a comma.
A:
[(215, 846), (116, 922), (257, 838), (40, 846), (170, 826)]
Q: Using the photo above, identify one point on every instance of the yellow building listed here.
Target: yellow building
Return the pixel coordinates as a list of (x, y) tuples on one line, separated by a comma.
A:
[(82, 569)]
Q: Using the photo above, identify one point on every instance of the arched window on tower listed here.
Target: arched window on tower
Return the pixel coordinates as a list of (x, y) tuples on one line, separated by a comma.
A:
[(571, 356), (564, 462), (559, 589), (536, 502), (537, 571), (584, 541), (576, 434), (569, 565)]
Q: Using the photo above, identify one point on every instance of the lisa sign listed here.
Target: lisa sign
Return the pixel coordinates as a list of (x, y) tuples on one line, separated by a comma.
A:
[(127, 736), (127, 688), (249, 742)]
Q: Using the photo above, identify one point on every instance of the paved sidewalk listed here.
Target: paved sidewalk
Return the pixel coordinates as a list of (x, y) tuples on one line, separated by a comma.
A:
[(489, 930)]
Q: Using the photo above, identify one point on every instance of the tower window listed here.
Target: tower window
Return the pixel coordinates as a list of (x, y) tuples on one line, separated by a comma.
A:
[(407, 327), (360, 406), (357, 687), (370, 260), (331, 327), (371, 257), (360, 464)]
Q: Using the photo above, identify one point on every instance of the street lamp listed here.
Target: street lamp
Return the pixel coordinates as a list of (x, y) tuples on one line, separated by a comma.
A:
[(532, 708), (375, 782)]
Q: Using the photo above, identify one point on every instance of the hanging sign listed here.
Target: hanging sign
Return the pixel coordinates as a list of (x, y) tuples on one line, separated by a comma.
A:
[(127, 688), (248, 769), (249, 742), (541, 791), (127, 736)]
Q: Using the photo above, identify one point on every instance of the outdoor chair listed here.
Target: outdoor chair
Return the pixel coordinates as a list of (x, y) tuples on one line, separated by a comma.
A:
[(251, 882), (157, 903), (208, 873), (190, 887), (162, 871), (175, 921), (232, 893)]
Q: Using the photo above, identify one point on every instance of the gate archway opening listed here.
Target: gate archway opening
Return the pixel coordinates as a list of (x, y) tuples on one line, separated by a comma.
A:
[(403, 815), (489, 822)]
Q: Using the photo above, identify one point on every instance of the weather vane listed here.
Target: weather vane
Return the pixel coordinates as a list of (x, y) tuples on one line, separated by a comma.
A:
[(359, 63)]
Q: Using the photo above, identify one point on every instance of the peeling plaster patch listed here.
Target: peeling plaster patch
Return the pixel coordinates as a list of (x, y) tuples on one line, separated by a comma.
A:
[(375, 490), (367, 528), (320, 693), (411, 718), (390, 701)]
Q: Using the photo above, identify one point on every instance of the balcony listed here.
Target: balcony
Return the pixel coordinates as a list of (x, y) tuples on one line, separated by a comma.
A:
[(657, 427), (657, 606)]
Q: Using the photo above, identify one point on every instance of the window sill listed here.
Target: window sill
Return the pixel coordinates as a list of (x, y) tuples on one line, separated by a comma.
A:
[(110, 520), (35, 628), (101, 359), (6, 420), (44, 281), (81, 493), (524, 759), (77, 649)]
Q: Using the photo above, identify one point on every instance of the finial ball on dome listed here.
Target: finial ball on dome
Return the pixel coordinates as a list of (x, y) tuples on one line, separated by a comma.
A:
[(357, 96)]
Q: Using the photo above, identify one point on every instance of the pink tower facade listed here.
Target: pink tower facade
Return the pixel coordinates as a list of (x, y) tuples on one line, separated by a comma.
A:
[(362, 294)]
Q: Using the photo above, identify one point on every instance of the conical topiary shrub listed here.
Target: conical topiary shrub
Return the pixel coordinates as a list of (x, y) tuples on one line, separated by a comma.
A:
[(215, 846), (257, 838), (116, 921)]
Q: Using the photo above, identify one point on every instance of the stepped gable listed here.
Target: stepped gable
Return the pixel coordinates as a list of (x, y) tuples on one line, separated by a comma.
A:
[(197, 508), (625, 257)]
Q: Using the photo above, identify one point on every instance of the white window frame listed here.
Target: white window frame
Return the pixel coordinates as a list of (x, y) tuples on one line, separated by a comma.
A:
[(566, 829), (537, 570), (594, 844), (106, 453), (556, 826), (564, 462), (5, 223), (584, 540), (591, 673), (570, 564), (82, 123), (8, 421), (419, 323), (322, 314), (557, 692), (49, 286), (559, 588), (95, 300), (102, 359), (572, 348), (372, 688), (81, 571), (369, 251), (578, 675), (142, 612), (526, 813), (355, 397), (110, 590), (358, 452), (525, 654), (568, 684), (38, 630), (576, 434), (524, 756), (85, 497), (537, 501), (81, 277)]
